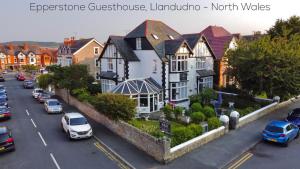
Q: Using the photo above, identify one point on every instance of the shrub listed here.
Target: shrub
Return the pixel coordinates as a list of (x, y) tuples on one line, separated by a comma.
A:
[(44, 80), (178, 112), (195, 99), (213, 123), (115, 106), (197, 117), (157, 134), (180, 135), (209, 112), (196, 107), (197, 129), (168, 111), (207, 95), (82, 94)]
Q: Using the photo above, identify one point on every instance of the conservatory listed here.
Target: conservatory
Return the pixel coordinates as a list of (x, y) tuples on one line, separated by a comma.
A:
[(146, 92)]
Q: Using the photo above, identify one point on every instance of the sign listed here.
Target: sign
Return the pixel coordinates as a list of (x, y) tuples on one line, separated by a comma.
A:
[(165, 126)]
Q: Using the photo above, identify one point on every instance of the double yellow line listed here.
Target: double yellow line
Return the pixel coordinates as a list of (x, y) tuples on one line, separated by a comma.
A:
[(110, 156), (242, 160)]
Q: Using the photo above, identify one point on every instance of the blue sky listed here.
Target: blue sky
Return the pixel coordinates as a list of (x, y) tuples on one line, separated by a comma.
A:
[(18, 23)]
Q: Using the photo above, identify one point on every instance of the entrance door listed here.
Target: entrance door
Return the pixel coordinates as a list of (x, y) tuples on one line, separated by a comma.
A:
[(200, 85), (151, 103)]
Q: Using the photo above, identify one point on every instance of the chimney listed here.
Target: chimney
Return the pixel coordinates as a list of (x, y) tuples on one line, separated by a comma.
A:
[(72, 40), (66, 41), (25, 46)]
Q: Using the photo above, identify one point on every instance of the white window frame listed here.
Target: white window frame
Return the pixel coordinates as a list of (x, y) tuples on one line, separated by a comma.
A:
[(138, 43), (96, 49), (110, 64), (200, 63), (180, 89), (97, 64), (179, 63), (69, 61), (207, 82), (107, 85)]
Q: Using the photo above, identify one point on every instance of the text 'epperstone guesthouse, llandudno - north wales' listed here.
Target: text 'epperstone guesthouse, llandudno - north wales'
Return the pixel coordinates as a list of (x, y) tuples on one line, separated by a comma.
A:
[(156, 65)]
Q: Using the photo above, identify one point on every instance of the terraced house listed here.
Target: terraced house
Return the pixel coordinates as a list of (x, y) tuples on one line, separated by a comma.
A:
[(156, 65), (15, 56), (81, 51)]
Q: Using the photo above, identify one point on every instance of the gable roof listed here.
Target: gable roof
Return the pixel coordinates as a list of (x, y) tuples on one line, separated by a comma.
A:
[(122, 47), (14, 50), (218, 38), (77, 45), (150, 28), (172, 46)]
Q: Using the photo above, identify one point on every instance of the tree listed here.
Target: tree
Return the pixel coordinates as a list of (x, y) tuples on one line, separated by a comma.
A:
[(285, 28), (44, 80), (266, 64)]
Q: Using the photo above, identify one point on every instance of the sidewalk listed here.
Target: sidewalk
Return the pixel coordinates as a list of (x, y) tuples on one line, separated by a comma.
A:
[(216, 154)]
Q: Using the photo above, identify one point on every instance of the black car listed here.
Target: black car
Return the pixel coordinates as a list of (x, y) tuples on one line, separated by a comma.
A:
[(4, 113), (6, 140), (2, 79), (28, 84), (294, 117)]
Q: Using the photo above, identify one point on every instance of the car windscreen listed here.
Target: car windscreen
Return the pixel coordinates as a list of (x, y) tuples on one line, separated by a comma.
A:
[(296, 113), (4, 137), (78, 121), (53, 103), (39, 91), (274, 129)]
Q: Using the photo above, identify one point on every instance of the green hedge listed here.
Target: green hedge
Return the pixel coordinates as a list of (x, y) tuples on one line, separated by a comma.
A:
[(213, 123)]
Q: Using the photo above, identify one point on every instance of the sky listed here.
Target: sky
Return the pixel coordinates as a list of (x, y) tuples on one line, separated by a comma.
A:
[(19, 23)]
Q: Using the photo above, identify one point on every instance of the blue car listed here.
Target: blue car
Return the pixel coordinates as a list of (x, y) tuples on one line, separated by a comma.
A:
[(280, 132), (294, 117)]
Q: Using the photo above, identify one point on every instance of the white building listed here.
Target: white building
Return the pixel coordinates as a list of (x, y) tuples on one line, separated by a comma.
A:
[(156, 65)]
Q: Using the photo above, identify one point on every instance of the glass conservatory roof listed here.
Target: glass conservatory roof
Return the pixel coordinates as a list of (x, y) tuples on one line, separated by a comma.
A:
[(137, 86)]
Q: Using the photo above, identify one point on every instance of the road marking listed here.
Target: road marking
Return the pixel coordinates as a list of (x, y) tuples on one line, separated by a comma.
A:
[(110, 156), (27, 112), (45, 144), (33, 123), (237, 164), (54, 161)]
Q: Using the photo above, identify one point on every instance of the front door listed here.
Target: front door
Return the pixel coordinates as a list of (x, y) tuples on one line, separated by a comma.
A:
[(151, 103), (199, 84)]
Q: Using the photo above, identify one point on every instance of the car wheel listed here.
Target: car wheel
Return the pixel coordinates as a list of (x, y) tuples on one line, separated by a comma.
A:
[(286, 144), (62, 128), (69, 136)]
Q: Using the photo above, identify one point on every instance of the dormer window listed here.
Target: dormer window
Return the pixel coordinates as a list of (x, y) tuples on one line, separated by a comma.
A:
[(171, 37), (138, 43), (155, 36)]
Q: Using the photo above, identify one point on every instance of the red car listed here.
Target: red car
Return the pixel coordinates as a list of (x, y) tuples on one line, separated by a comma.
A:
[(21, 77)]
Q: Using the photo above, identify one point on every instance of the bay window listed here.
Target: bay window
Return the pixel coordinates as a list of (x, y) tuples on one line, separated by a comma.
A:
[(206, 82), (178, 91), (110, 64), (179, 63), (107, 85), (200, 63)]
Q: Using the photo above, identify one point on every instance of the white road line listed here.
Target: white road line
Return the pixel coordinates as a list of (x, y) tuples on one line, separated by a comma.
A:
[(33, 123), (55, 162), (27, 112), (45, 144)]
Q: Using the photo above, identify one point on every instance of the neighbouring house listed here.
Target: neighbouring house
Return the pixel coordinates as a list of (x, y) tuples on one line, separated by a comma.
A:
[(15, 56), (156, 65), (220, 41), (81, 51)]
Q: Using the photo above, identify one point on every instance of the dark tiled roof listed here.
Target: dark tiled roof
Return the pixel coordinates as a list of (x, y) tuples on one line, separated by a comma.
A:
[(124, 49), (77, 44), (219, 39), (151, 28), (205, 73), (192, 39), (172, 46)]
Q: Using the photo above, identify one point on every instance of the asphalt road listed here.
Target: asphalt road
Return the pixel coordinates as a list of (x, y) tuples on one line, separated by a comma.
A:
[(40, 141), (267, 155)]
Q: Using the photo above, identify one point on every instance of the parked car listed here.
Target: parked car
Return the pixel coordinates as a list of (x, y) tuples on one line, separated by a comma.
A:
[(76, 126), (294, 117), (42, 97), (3, 101), (4, 72), (2, 78), (6, 140), (36, 92), (28, 84), (53, 106), (280, 132), (4, 113), (2, 89)]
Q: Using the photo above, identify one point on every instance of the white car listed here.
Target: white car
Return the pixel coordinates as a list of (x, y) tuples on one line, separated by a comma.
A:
[(53, 106), (36, 92), (76, 126)]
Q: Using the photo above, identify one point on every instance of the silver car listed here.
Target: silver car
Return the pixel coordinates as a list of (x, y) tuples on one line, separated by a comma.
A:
[(53, 106)]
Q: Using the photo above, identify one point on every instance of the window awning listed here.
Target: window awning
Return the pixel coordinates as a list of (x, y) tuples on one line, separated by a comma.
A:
[(138, 86), (205, 73), (108, 75)]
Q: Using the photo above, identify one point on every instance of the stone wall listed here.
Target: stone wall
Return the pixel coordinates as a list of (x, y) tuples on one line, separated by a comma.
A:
[(156, 148)]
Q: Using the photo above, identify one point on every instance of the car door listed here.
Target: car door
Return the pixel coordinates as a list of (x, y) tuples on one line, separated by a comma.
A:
[(290, 133), (65, 122)]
